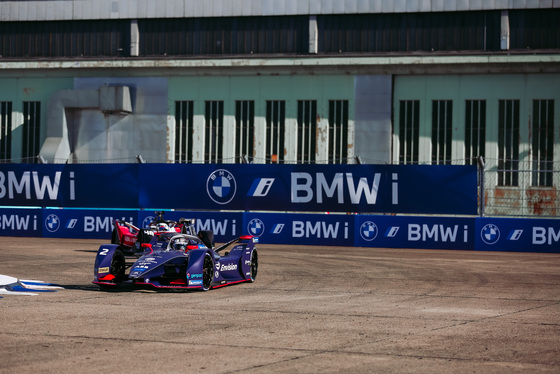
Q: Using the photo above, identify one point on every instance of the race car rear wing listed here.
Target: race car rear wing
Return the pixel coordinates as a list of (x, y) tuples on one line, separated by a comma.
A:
[(255, 239)]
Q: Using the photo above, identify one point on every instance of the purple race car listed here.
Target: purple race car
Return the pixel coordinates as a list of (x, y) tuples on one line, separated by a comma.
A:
[(175, 260)]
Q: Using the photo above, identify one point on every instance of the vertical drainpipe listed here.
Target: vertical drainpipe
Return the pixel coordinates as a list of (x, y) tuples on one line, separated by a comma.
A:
[(313, 35), (134, 38), (504, 30)]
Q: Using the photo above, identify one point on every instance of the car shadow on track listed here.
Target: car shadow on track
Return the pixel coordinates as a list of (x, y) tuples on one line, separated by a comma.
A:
[(124, 288)]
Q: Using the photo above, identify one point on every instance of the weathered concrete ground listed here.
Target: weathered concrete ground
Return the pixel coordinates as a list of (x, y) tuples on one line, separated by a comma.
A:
[(312, 309)]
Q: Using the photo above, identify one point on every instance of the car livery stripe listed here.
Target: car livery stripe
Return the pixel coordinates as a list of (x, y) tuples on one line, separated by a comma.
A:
[(229, 283)]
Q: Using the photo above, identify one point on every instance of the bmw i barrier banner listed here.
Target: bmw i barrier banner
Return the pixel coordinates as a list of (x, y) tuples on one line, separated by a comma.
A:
[(518, 235), (83, 223), (359, 230), (21, 222), (301, 229), (414, 232), (405, 189), (224, 225), (83, 186)]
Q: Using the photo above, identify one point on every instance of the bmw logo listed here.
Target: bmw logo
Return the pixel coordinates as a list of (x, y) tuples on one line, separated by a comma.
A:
[(490, 234), (52, 222), (146, 222), (221, 186), (255, 227), (368, 231)]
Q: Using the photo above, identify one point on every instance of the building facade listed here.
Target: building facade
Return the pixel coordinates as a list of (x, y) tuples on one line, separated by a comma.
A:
[(285, 81)]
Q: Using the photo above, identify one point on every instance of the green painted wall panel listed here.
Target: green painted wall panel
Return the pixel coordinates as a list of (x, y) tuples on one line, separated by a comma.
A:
[(492, 88)]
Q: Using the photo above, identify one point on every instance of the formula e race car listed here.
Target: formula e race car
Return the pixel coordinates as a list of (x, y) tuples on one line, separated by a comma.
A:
[(176, 260), (130, 237)]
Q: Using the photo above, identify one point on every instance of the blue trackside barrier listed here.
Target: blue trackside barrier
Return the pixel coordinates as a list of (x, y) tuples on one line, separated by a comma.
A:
[(393, 206), (381, 189), (360, 230)]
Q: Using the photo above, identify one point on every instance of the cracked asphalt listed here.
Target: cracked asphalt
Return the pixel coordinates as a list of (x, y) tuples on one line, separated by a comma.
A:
[(311, 310)]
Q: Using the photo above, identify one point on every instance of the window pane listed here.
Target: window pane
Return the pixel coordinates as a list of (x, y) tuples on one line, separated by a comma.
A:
[(338, 131), (275, 129), (442, 127), (409, 131), (508, 142), (5, 131), (306, 130), (475, 130), (244, 130), (31, 129), (214, 131), (183, 131), (543, 142)]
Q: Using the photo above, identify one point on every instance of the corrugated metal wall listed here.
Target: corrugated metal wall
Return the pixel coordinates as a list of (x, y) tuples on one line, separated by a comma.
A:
[(357, 33), (535, 29), (216, 36), (409, 32), (65, 39), (41, 10)]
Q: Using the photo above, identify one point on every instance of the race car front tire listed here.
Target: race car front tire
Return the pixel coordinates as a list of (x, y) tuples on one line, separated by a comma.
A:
[(207, 273), (117, 268), (254, 265)]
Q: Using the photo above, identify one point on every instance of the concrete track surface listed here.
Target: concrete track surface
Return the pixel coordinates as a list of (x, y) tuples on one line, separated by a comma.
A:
[(311, 310)]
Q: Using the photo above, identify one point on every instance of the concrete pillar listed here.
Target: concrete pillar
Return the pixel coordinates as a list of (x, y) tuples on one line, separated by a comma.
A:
[(313, 35), (504, 30), (134, 38)]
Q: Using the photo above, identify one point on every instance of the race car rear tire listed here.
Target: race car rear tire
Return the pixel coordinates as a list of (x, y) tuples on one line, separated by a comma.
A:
[(117, 268), (207, 273), (254, 265), (115, 237)]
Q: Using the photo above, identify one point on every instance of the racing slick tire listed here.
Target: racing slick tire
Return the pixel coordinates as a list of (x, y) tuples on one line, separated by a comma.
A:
[(207, 237), (117, 268), (207, 273), (254, 265), (115, 237)]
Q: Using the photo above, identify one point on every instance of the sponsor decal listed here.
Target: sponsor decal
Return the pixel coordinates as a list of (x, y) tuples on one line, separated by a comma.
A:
[(277, 228), (228, 267), (216, 274), (146, 222), (307, 188), (368, 231), (16, 222), (255, 227), (195, 282), (103, 270), (31, 185), (71, 223), (221, 186), (194, 276), (545, 235), (260, 187), (515, 235), (490, 234), (52, 222), (392, 231), (437, 233), (247, 262), (318, 229)]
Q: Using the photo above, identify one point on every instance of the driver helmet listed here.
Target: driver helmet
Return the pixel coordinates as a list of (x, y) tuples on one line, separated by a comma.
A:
[(162, 226), (180, 244)]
